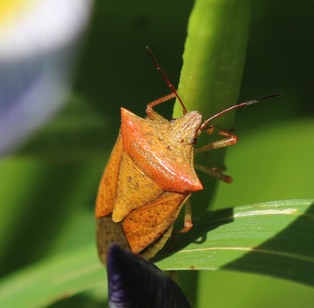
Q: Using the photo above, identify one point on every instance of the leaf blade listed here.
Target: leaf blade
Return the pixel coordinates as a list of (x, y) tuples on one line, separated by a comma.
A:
[(259, 238), (53, 279), (249, 238)]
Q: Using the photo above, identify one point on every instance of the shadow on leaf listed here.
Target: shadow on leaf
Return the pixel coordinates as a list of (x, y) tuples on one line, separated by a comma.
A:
[(199, 232), (287, 255)]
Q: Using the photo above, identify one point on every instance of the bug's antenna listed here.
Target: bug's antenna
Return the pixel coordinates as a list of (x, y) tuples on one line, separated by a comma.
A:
[(254, 101), (167, 80)]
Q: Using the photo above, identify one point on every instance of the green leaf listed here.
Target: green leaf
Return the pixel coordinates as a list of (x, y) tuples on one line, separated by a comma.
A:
[(274, 239), (76, 134), (53, 279), (272, 163)]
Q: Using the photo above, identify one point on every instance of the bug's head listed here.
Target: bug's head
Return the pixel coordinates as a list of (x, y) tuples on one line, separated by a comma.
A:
[(186, 129)]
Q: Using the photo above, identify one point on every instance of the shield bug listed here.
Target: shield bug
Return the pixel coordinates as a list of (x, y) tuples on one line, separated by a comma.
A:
[(151, 175)]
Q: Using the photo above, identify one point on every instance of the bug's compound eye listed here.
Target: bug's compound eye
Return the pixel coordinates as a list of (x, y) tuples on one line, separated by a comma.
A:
[(193, 141)]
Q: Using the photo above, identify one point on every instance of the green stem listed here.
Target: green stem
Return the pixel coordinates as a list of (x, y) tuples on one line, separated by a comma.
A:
[(210, 81), (213, 64), (214, 55)]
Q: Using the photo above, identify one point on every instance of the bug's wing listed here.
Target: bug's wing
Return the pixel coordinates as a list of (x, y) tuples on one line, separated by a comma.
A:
[(108, 186), (152, 249), (134, 189), (146, 224), (109, 232)]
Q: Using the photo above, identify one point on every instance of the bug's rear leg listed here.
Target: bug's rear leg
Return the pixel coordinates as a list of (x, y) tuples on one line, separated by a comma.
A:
[(187, 218), (187, 224)]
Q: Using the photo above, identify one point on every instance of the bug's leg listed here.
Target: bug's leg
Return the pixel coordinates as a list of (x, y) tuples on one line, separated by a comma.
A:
[(153, 115), (187, 224), (215, 172), (225, 142), (187, 217)]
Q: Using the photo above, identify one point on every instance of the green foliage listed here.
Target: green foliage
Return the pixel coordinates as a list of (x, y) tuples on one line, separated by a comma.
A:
[(254, 238), (47, 190)]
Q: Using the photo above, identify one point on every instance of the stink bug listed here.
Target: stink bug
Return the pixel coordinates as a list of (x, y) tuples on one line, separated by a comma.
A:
[(150, 176)]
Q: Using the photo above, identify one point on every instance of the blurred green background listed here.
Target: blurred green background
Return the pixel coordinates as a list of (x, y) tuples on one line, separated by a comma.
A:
[(48, 189)]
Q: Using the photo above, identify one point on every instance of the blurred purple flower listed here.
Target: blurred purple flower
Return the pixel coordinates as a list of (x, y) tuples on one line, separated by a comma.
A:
[(38, 45), (135, 282)]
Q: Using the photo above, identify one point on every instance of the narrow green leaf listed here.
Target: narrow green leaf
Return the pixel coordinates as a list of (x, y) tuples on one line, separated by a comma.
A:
[(53, 279), (274, 239), (76, 134)]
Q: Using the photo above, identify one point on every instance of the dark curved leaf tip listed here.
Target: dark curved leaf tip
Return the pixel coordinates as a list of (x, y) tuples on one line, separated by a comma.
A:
[(135, 282)]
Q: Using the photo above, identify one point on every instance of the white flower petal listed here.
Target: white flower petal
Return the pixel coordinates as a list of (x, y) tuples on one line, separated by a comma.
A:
[(38, 46)]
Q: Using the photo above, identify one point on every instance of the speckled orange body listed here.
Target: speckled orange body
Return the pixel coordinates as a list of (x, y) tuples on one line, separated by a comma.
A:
[(148, 178)]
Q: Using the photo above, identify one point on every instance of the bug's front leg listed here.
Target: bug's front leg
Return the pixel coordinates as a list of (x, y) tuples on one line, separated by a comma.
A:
[(225, 142), (215, 172), (151, 113), (222, 143)]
